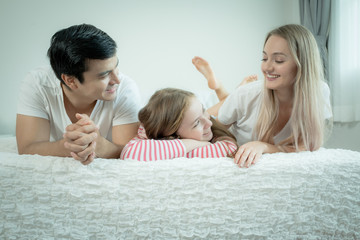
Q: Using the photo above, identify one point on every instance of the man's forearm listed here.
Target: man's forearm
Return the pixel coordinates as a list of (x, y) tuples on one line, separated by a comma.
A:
[(107, 149), (46, 148)]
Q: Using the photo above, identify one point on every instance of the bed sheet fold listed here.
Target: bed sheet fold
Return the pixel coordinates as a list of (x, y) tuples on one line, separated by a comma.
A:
[(285, 196)]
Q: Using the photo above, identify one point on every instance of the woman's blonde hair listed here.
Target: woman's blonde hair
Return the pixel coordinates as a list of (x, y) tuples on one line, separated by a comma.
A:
[(164, 113), (307, 116)]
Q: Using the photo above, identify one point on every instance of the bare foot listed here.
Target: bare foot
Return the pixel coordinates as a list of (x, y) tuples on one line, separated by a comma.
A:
[(248, 79), (204, 68)]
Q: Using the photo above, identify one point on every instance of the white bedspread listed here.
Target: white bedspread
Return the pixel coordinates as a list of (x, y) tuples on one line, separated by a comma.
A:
[(285, 196)]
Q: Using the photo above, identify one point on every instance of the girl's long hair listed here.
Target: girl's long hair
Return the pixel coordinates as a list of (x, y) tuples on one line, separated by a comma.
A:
[(307, 116), (163, 114)]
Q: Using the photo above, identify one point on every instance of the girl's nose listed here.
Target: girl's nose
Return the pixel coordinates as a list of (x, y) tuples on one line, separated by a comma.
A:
[(208, 122)]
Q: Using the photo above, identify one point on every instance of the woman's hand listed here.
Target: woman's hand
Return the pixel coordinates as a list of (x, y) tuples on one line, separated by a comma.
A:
[(249, 153)]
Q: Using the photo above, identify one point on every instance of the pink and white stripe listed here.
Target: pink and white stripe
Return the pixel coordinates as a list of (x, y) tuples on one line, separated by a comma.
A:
[(152, 150), (143, 149)]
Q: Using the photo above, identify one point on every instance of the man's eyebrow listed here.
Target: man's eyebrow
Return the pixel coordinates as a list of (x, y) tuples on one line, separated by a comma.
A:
[(104, 73), (109, 71)]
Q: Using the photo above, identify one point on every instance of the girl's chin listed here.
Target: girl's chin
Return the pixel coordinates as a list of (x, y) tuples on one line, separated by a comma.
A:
[(208, 136)]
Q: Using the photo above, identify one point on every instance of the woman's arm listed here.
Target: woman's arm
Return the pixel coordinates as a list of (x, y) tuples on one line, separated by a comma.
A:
[(250, 153)]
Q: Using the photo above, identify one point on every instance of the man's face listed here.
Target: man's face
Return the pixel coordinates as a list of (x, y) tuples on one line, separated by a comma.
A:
[(100, 80)]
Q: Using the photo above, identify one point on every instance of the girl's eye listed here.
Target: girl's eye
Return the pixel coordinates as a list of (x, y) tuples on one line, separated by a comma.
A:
[(197, 123), (264, 60), (279, 61)]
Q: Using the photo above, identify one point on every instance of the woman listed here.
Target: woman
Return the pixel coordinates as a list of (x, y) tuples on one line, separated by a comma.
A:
[(286, 112), (175, 124)]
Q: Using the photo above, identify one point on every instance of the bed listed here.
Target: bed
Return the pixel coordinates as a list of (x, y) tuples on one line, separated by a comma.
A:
[(285, 196)]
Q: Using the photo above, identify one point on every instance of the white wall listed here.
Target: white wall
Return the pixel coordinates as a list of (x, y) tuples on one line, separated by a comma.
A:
[(156, 39), (345, 135)]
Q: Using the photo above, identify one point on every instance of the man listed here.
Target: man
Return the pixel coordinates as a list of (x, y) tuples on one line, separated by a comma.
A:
[(82, 106)]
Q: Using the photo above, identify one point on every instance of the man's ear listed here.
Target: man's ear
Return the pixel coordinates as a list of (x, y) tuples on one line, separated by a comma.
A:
[(70, 81)]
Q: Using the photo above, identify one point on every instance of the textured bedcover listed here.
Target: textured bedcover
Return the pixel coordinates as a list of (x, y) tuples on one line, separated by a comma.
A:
[(285, 196)]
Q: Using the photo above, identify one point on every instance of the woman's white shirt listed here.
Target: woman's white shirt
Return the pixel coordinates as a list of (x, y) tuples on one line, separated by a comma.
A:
[(241, 110)]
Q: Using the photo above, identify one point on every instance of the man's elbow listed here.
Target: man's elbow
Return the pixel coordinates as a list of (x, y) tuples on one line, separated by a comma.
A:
[(23, 149)]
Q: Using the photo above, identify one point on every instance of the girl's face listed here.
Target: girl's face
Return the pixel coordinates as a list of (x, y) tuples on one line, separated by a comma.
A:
[(278, 66), (196, 123)]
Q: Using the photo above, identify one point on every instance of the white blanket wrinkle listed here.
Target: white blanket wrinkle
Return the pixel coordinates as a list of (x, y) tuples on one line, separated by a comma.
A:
[(307, 195)]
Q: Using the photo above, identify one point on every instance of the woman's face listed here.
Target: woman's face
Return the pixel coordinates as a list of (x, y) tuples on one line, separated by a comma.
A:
[(278, 66), (196, 123)]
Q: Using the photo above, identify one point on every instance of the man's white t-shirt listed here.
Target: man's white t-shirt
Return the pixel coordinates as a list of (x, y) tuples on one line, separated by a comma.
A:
[(41, 96), (241, 110)]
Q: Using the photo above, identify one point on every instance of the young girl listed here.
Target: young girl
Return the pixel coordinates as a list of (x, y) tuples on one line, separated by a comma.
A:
[(287, 111), (175, 124)]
